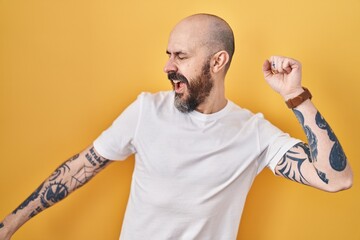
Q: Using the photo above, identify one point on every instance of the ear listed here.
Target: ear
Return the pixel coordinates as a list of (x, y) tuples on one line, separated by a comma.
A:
[(219, 61)]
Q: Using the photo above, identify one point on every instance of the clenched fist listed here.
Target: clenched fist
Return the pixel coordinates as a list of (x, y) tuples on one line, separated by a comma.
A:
[(284, 76)]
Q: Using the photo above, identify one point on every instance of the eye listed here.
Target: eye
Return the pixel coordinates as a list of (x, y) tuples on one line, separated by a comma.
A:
[(181, 56)]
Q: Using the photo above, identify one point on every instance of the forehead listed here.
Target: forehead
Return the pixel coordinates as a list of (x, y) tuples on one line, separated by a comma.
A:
[(185, 38)]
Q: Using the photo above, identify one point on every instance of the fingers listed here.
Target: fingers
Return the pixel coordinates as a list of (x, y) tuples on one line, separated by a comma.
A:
[(283, 64), (267, 70), (276, 62)]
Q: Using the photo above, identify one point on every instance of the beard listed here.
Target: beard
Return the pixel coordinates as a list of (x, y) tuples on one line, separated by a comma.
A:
[(196, 92)]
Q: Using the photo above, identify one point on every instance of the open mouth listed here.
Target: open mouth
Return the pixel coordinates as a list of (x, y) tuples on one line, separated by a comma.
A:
[(179, 86), (178, 81)]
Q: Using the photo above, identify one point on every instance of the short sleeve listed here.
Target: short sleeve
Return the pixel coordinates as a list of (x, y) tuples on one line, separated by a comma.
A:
[(116, 142), (273, 143)]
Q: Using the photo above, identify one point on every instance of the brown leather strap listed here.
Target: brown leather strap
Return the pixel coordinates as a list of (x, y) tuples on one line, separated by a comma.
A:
[(296, 101)]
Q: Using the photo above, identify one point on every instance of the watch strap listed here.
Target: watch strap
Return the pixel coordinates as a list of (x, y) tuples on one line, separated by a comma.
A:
[(302, 97)]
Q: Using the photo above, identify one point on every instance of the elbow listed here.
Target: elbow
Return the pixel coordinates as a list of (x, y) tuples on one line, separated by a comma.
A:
[(341, 185), (348, 183)]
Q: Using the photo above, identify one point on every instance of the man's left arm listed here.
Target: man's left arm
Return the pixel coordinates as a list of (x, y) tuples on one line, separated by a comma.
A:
[(321, 162)]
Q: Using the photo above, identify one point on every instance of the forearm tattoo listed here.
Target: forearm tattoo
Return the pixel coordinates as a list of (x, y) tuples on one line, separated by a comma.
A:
[(312, 139), (63, 181), (95, 160), (32, 197), (337, 156), (291, 162), (1, 225), (290, 165), (87, 172)]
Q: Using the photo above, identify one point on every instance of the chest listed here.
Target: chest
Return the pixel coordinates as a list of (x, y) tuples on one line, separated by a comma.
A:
[(190, 149)]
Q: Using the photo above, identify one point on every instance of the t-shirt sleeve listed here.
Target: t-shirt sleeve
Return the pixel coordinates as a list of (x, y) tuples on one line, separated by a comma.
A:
[(117, 142), (273, 143)]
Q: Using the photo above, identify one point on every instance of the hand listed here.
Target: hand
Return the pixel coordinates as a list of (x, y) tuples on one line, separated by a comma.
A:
[(284, 76)]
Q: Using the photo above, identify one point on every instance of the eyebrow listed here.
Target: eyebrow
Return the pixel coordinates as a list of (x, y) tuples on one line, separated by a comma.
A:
[(175, 53)]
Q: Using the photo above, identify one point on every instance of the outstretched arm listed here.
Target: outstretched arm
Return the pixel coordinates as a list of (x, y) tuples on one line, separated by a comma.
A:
[(322, 162), (68, 177)]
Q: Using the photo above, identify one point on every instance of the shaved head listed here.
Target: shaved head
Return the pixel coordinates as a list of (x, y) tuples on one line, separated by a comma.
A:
[(211, 31)]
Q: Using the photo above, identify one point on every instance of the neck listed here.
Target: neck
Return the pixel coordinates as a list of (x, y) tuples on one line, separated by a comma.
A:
[(213, 103)]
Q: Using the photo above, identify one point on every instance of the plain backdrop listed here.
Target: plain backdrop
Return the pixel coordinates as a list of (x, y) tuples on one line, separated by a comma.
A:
[(69, 68)]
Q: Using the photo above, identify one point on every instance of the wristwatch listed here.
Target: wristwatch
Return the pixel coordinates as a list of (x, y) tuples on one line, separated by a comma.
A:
[(296, 101)]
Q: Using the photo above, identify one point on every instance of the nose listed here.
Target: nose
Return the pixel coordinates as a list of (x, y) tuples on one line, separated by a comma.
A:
[(170, 66)]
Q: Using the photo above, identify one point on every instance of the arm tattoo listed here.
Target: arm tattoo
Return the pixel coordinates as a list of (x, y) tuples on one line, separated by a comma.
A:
[(63, 181), (290, 165), (322, 176), (56, 191), (312, 142), (32, 197), (95, 160), (1, 225), (53, 193), (337, 156), (60, 188), (292, 169), (60, 170), (312, 139), (87, 172), (35, 212)]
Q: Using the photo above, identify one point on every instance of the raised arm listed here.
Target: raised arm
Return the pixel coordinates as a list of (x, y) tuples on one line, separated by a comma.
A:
[(68, 177), (322, 162)]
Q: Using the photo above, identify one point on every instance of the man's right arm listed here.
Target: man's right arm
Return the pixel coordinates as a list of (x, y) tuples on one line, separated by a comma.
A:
[(68, 177)]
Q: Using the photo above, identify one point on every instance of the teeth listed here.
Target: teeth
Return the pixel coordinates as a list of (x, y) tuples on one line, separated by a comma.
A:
[(176, 81)]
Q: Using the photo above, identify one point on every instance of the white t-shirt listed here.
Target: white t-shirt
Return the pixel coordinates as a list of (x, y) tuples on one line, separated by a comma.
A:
[(192, 171)]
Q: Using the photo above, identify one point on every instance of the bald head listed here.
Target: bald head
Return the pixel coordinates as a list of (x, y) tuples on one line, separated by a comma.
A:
[(210, 31)]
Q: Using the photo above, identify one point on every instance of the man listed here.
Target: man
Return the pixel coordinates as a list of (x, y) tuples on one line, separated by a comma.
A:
[(197, 153)]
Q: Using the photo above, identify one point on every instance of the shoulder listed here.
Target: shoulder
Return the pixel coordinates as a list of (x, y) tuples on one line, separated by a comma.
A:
[(246, 119), (159, 101), (156, 97), (243, 114)]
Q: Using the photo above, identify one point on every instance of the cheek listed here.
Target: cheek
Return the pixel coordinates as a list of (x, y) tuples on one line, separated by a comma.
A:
[(191, 71)]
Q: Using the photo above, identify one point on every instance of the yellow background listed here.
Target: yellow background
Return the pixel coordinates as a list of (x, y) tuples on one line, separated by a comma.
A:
[(68, 68)]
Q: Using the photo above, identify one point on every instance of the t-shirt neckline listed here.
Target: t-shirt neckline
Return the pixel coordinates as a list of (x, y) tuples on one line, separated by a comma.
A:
[(213, 116)]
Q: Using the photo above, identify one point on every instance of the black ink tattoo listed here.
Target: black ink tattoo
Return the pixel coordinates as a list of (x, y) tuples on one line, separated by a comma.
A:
[(292, 169), (81, 177), (87, 172), (299, 116), (60, 170), (312, 139), (32, 197), (1, 225), (337, 157), (312, 152), (322, 176), (99, 159), (322, 124), (96, 160), (312, 142), (90, 159), (53, 193), (35, 212)]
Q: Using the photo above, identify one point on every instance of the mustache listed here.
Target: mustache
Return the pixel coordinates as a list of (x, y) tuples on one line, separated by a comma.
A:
[(177, 76)]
